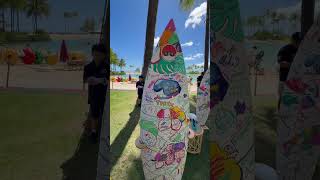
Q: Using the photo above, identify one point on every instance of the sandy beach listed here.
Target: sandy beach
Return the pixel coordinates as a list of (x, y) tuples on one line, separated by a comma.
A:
[(57, 77)]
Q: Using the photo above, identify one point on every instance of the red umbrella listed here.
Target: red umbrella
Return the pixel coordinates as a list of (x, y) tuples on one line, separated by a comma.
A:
[(64, 52)]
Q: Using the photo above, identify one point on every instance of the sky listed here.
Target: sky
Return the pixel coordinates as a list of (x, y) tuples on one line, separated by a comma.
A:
[(56, 22), (128, 26)]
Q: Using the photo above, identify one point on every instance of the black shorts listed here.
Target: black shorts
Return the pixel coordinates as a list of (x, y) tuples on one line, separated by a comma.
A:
[(96, 108), (140, 95)]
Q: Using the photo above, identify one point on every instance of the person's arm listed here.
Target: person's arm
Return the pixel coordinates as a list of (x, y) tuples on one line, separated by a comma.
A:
[(282, 59), (85, 78)]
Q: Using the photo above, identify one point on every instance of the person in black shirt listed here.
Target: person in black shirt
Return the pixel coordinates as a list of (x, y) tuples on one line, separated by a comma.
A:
[(199, 79), (139, 86), (95, 74), (285, 58)]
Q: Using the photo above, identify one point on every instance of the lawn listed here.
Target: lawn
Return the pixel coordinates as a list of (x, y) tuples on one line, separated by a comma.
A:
[(124, 118), (40, 137)]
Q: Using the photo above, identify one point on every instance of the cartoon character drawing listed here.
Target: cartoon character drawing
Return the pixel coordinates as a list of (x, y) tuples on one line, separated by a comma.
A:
[(296, 85), (171, 118), (313, 63), (219, 85), (308, 138), (221, 166), (170, 88), (173, 153)]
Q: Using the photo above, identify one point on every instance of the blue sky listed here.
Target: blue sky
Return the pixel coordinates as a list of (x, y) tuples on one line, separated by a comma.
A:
[(128, 26)]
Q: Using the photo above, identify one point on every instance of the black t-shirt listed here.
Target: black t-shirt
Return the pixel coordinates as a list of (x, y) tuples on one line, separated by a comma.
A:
[(140, 85), (286, 54), (199, 79), (96, 92)]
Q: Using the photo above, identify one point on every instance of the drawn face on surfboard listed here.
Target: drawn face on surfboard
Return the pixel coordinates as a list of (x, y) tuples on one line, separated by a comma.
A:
[(167, 57)]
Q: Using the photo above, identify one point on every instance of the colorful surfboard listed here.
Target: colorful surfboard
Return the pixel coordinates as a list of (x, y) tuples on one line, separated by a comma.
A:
[(164, 122), (231, 127), (203, 99), (298, 146)]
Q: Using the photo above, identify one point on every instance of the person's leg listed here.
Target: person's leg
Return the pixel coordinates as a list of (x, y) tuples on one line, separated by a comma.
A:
[(280, 88), (94, 117)]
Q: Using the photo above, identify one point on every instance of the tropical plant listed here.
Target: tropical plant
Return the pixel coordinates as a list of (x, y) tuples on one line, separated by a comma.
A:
[(137, 70), (114, 60), (150, 33), (69, 15), (282, 18), (3, 5), (294, 19), (89, 25), (37, 9), (122, 64)]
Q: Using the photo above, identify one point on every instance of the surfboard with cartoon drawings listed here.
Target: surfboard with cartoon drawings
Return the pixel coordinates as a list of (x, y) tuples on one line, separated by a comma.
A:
[(231, 127), (164, 122), (203, 99), (298, 146)]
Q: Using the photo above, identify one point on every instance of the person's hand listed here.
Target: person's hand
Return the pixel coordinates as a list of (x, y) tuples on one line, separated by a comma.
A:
[(284, 64), (93, 81)]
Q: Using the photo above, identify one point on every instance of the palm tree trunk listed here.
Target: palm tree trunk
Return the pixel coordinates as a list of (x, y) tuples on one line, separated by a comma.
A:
[(206, 49), (2, 21), (150, 33), (18, 21), (307, 15)]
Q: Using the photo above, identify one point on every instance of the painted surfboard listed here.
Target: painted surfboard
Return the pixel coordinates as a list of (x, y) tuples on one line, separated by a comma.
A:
[(164, 122), (231, 127), (298, 146), (203, 99)]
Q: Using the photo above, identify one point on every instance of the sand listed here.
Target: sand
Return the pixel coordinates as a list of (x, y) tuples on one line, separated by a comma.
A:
[(54, 77)]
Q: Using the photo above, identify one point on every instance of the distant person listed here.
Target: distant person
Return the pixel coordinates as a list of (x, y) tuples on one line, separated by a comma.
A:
[(286, 56), (130, 77), (139, 86), (253, 55), (190, 80), (199, 79), (95, 74)]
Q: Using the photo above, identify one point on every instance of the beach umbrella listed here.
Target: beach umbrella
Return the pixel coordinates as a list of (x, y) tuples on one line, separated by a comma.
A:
[(52, 59), (39, 57), (29, 56), (64, 52), (11, 58)]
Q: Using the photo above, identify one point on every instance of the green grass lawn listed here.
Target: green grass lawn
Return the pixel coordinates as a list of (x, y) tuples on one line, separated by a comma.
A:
[(40, 136), (126, 163)]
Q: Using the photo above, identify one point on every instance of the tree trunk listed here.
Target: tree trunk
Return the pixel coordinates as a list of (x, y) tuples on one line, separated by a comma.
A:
[(307, 15), (18, 21), (150, 33), (2, 21), (206, 49), (8, 75)]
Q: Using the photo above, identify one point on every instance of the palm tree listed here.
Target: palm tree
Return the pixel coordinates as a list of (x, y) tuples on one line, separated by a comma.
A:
[(37, 9), (19, 6), (69, 15), (294, 19), (307, 15), (122, 64), (150, 33), (3, 5), (274, 19), (282, 18)]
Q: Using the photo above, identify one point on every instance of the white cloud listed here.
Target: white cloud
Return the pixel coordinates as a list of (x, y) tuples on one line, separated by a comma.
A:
[(195, 17), (156, 40), (187, 44), (193, 57), (201, 64)]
